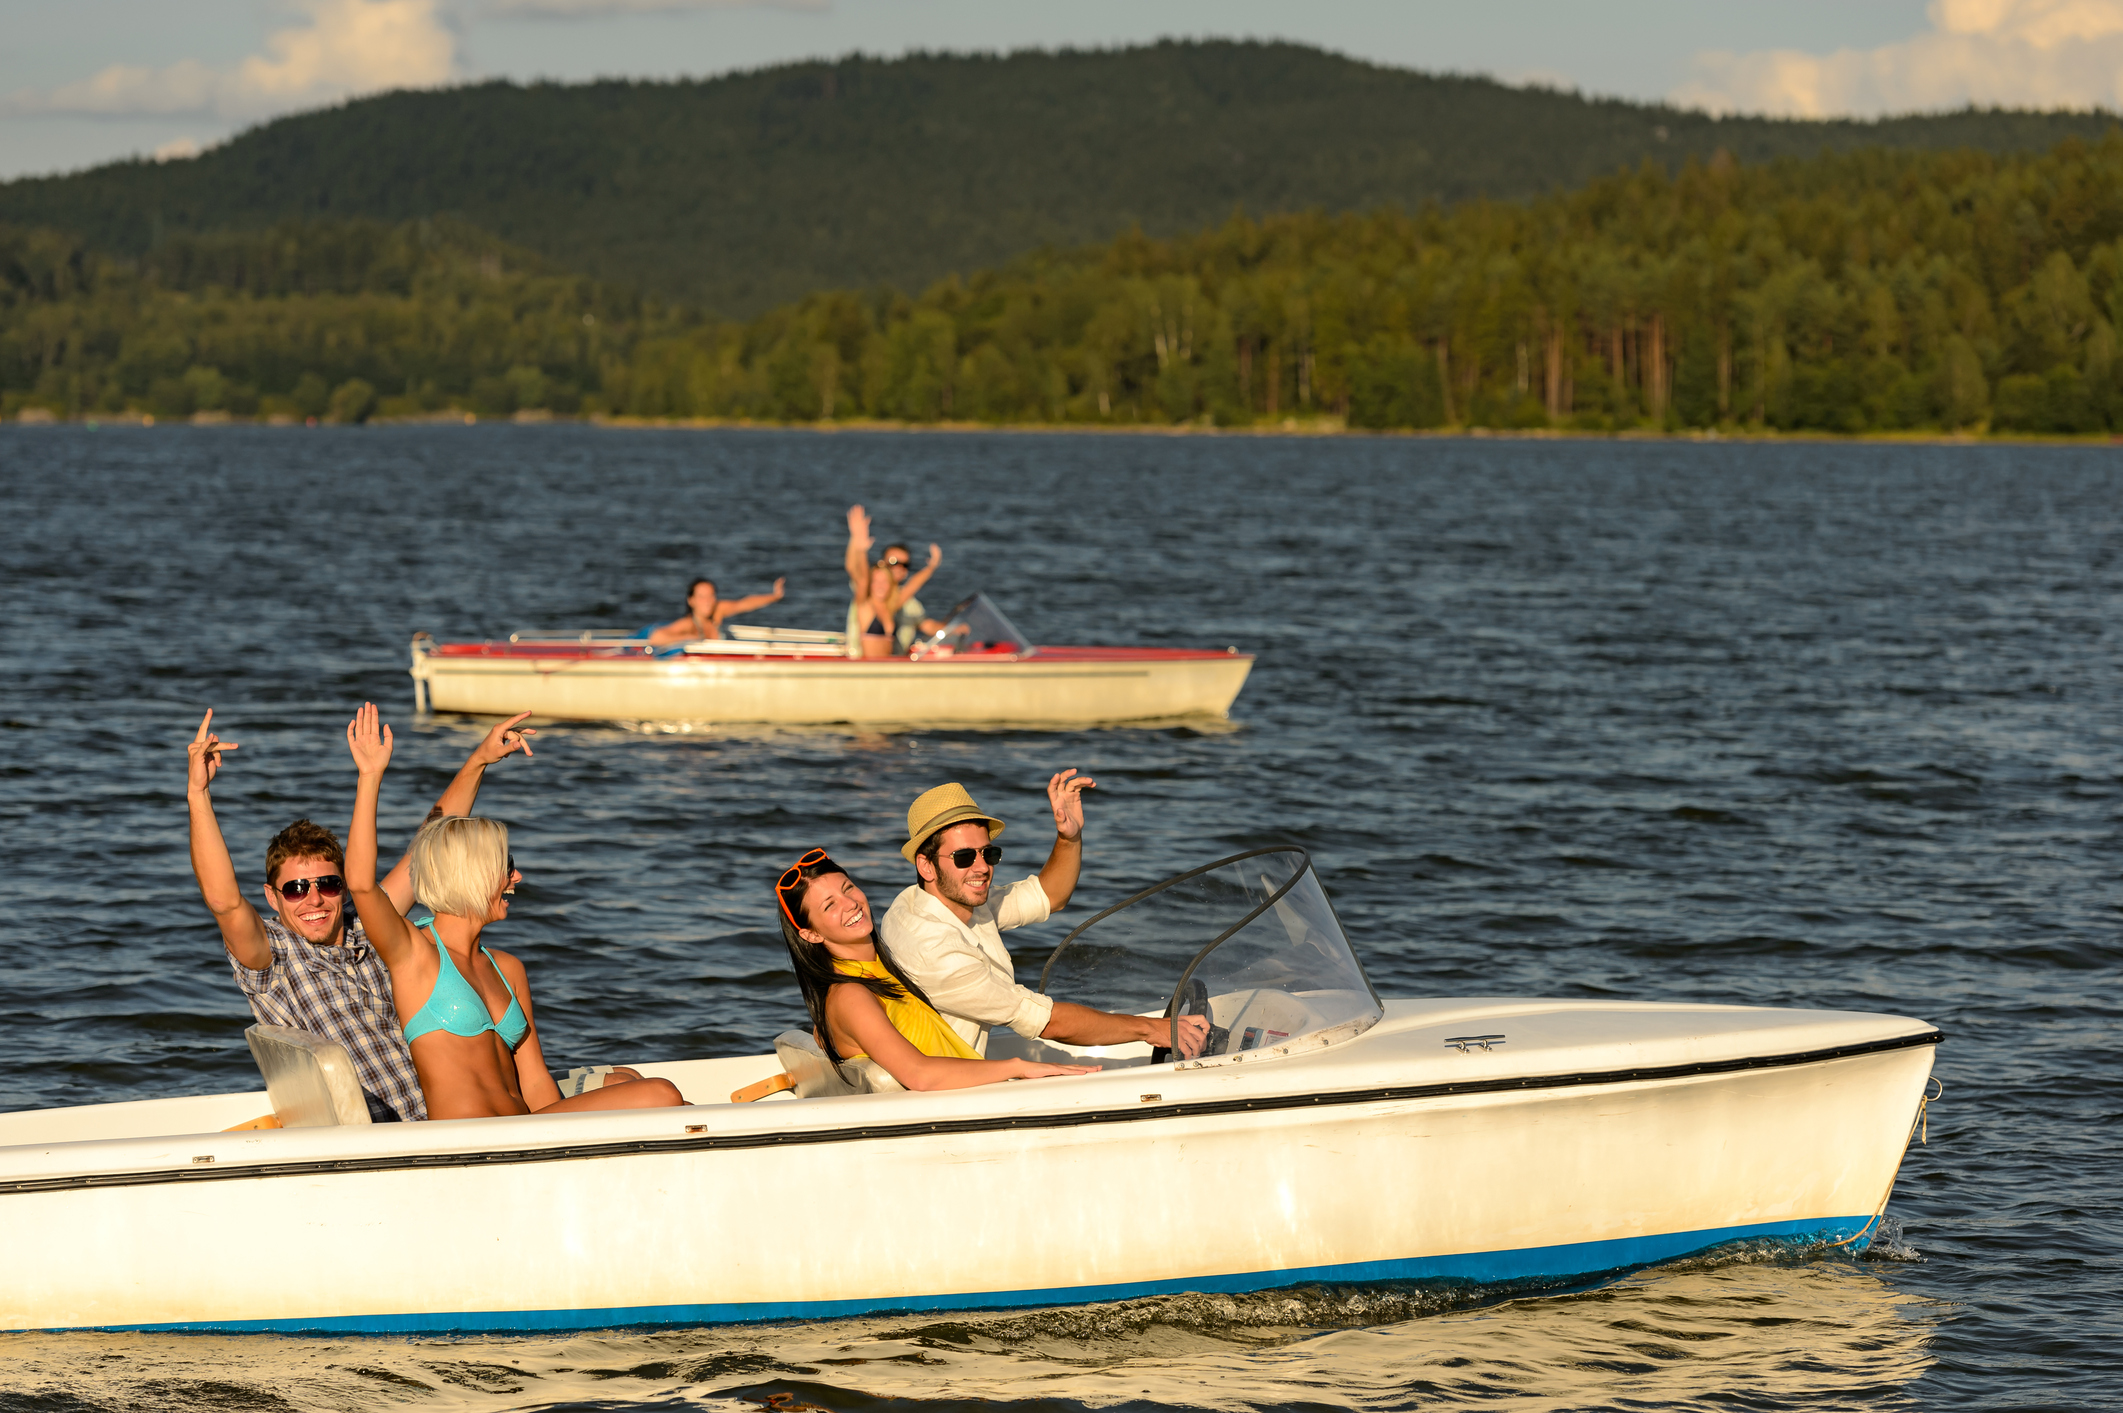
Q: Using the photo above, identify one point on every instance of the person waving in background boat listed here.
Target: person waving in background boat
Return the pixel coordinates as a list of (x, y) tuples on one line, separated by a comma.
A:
[(307, 966), (877, 594), (864, 1011), (946, 930), (466, 1009), (911, 621), (705, 614)]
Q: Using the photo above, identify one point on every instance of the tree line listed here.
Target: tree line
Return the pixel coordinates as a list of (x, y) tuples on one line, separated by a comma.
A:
[(1871, 291)]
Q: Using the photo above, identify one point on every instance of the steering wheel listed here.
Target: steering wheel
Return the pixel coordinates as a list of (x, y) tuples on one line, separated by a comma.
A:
[(1194, 1001)]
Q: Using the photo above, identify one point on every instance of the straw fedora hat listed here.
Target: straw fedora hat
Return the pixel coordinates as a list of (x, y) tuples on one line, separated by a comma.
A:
[(941, 808)]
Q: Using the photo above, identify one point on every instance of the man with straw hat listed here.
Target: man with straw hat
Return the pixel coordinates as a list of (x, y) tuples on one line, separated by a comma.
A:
[(946, 931)]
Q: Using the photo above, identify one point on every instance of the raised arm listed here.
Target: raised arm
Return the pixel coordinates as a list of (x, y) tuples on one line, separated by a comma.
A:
[(241, 930), (858, 558), (920, 576), (749, 602), (1065, 861), (388, 931), (503, 741)]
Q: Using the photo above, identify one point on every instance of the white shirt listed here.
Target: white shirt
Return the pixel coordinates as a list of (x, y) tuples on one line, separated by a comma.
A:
[(963, 966)]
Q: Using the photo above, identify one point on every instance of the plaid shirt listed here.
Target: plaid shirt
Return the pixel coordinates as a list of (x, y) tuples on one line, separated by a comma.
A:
[(342, 993)]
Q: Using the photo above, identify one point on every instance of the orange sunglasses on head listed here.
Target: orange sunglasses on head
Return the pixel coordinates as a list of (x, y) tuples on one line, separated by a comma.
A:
[(792, 879)]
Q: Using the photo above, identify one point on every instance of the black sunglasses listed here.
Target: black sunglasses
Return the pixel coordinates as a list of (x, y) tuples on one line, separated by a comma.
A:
[(891, 563), (330, 885), (963, 858)]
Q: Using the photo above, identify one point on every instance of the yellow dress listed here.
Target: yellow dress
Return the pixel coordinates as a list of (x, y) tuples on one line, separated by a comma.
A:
[(924, 1029)]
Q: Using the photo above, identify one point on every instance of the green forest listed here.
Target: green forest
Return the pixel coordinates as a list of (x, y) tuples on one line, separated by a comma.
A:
[(741, 193), (1870, 291)]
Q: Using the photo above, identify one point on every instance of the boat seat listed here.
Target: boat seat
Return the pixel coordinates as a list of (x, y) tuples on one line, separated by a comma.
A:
[(309, 1079), (869, 1077), (805, 1063)]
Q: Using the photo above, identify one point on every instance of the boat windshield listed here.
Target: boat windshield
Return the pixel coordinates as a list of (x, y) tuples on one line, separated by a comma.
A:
[(1250, 942), (974, 625)]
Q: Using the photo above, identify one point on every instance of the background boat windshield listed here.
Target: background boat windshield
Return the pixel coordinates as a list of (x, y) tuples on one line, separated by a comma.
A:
[(974, 625), (1250, 941)]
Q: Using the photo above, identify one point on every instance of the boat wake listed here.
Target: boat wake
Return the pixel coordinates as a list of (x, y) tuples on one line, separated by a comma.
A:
[(1788, 1328)]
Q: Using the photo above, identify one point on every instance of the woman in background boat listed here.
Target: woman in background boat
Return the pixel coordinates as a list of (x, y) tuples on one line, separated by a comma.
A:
[(705, 614), (466, 1009), (863, 1011), (873, 612)]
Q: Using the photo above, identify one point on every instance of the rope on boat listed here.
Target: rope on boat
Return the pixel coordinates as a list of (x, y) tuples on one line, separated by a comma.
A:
[(1919, 1129)]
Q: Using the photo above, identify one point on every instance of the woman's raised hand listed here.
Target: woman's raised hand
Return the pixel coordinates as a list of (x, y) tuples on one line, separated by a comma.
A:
[(369, 741), (859, 527), (204, 754)]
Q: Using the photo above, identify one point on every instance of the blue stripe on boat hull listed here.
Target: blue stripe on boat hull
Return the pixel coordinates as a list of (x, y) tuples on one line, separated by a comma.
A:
[(1476, 1268)]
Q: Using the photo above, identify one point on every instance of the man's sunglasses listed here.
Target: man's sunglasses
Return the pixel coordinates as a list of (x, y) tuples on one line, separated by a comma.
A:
[(792, 880), (330, 885), (891, 563), (963, 858)]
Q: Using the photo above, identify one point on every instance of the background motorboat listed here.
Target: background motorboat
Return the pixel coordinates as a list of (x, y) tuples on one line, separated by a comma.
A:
[(977, 669), (1323, 1135)]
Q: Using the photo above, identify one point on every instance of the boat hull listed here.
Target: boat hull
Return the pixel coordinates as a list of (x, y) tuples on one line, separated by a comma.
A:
[(1147, 1180), (1056, 687)]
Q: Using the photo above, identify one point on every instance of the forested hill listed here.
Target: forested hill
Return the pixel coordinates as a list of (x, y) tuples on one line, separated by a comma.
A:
[(1874, 291), (744, 192)]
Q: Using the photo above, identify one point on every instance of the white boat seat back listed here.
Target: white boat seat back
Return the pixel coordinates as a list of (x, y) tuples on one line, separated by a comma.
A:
[(309, 1079), (805, 1063), (869, 1077)]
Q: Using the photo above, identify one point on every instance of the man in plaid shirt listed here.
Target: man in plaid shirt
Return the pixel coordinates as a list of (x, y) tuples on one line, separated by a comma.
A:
[(309, 965)]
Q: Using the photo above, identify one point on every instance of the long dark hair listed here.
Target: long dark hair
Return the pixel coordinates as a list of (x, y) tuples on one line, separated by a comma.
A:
[(815, 974)]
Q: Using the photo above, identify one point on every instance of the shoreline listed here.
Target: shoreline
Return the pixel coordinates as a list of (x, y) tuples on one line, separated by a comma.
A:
[(1317, 427)]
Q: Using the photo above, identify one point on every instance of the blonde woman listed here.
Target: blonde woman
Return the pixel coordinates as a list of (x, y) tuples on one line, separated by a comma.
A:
[(876, 593), (466, 1009)]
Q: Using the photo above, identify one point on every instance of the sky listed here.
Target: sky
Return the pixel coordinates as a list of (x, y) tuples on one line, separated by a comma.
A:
[(90, 81)]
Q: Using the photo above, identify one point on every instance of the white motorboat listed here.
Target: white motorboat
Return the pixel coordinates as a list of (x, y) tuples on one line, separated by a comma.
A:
[(1325, 1136), (977, 670)]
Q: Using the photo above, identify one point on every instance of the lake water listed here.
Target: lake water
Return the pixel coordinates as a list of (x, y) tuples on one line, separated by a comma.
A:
[(1801, 724)]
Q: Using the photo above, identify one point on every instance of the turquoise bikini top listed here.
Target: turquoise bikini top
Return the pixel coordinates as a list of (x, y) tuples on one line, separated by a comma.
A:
[(455, 1007)]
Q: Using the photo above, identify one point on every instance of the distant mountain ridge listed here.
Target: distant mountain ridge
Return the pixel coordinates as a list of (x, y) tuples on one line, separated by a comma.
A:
[(743, 192)]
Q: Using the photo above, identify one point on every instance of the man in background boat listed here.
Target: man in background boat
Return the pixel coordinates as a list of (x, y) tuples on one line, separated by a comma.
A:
[(946, 931), (912, 620), (308, 966), (705, 614)]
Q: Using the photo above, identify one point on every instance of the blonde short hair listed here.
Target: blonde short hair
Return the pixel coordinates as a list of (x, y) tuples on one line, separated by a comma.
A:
[(459, 863)]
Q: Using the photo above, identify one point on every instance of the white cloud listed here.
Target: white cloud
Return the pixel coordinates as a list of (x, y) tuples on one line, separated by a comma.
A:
[(177, 149), (2013, 53), (342, 47), (584, 9)]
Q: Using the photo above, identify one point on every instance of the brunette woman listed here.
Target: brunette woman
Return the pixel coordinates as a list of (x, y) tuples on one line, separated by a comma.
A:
[(862, 1007)]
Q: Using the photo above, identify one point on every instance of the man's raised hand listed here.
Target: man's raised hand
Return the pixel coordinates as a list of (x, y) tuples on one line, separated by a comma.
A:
[(204, 754), (1065, 792), (779, 585), (369, 741), (501, 742), (936, 556)]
